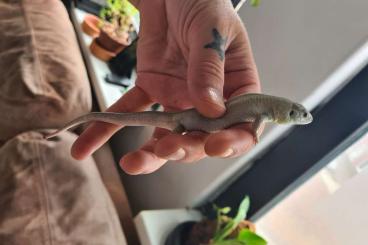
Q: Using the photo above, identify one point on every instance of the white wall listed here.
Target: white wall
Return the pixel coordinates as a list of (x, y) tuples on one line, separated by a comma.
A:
[(297, 44)]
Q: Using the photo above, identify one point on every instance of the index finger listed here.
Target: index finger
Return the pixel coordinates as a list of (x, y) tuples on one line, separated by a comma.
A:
[(98, 133)]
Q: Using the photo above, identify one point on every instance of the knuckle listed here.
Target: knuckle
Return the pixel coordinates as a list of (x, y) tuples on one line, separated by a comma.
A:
[(208, 70)]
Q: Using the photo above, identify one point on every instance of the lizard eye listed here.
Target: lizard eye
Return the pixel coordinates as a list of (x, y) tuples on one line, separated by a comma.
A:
[(291, 113), (305, 114)]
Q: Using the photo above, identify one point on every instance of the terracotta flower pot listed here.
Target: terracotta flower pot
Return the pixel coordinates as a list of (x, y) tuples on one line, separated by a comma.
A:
[(90, 25), (112, 43), (100, 52)]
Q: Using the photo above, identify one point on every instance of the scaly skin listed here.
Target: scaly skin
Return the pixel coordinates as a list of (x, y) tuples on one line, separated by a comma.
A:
[(254, 108)]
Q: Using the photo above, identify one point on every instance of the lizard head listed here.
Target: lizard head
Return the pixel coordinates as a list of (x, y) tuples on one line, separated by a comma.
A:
[(298, 114), (288, 112)]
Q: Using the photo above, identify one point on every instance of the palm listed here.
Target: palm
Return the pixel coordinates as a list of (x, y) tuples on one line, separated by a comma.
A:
[(162, 66)]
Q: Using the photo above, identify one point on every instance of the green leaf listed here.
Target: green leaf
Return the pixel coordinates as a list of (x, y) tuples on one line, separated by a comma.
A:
[(250, 238), (225, 210), (242, 211), (219, 210), (231, 225), (129, 8), (255, 3), (229, 242), (118, 7)]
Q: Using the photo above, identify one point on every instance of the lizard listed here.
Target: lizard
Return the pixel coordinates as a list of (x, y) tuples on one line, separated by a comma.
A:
[(251, 108)]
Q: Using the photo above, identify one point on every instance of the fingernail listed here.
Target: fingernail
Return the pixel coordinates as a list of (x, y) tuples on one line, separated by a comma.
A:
[(215, 96), (178, 155), (229, 152)]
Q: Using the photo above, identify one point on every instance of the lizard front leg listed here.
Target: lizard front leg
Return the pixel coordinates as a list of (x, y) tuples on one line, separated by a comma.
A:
[(180, 129), (256, 126)]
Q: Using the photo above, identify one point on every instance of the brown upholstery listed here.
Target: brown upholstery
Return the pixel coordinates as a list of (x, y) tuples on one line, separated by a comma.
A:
[(49, 198), (43, 81), (46, 197)]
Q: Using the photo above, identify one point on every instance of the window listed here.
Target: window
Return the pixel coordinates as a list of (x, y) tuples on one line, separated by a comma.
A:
[(294, 161), (329, 208)]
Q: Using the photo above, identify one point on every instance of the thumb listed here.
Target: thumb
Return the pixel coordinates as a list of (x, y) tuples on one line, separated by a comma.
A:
[(206, 71)]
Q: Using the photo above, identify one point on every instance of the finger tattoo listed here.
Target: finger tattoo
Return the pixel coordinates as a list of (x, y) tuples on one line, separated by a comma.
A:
[(218, 44)]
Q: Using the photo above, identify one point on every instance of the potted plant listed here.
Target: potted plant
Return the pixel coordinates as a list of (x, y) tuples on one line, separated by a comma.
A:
[(116, 28), (224, 230), (90, 25)]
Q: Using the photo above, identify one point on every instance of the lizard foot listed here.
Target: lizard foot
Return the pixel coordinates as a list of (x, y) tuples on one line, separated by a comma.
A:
[(255, 138), (180, 129)]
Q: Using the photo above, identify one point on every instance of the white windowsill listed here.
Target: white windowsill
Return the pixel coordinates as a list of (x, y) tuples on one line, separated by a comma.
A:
[(106, 93), (155, 225)]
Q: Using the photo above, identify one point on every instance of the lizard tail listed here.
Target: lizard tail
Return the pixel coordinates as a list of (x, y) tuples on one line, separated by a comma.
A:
[(148, 118)]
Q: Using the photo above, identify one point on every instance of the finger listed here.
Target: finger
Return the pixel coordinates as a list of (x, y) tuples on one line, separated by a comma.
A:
[(144, 161), (209, 36), (206, 80), (141, 162), (238, 139), (98, 133), (241, 75), (183, 148), (230, 142), (178, 147)]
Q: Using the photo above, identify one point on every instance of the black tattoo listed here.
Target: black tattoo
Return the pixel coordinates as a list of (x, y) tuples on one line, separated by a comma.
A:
[(218, 44)]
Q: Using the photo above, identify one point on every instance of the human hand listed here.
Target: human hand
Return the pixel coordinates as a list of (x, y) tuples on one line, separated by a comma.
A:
[(192, 53)]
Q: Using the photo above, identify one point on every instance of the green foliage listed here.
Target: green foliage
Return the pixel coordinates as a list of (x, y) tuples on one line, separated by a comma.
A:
[(117, 18), (233, 223), (227, 225), (245, 237), (219, 213), (250, 238), (116, 8), (229, 242), (255, 3)]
